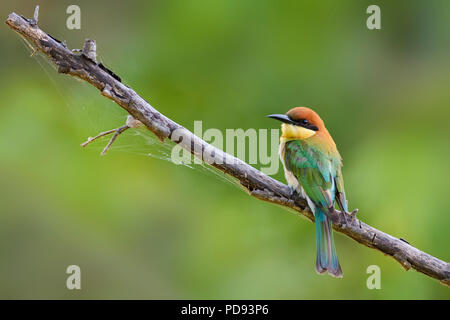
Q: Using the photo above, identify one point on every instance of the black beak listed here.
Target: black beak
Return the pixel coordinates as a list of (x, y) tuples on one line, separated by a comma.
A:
[(282, 117)]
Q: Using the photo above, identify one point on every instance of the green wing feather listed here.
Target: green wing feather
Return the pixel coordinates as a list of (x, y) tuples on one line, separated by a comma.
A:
[(314, 170)]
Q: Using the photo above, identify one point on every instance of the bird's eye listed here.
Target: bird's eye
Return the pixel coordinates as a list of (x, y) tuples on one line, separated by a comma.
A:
[(304, 122)]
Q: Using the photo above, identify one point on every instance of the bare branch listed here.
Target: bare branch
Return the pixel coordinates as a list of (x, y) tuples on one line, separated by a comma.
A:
[(259, 185)]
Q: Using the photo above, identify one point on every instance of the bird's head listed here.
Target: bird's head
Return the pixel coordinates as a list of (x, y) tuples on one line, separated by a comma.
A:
[(299, 123)]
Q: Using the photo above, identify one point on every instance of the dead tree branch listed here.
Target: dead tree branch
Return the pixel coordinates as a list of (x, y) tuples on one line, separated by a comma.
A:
[(84, 66)]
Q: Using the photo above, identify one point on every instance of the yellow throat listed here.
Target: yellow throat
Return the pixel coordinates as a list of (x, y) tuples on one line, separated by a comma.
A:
[(291, 132)]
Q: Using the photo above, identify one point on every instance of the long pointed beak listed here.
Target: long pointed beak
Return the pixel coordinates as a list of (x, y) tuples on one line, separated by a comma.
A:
[(282, 117)]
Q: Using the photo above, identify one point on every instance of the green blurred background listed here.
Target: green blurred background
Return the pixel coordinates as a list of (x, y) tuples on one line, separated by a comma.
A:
[(142, 227)]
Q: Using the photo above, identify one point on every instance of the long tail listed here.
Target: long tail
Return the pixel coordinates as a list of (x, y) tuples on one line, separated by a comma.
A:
[(326, 252)]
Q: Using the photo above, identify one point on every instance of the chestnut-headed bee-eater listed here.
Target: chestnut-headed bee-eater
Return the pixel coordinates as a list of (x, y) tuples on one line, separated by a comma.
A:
[(312, 166)]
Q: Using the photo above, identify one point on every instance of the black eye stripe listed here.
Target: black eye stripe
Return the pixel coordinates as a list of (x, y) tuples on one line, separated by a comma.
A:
[(306, 124)]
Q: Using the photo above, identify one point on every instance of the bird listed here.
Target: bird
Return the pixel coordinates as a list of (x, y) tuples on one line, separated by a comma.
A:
[(313, 168)]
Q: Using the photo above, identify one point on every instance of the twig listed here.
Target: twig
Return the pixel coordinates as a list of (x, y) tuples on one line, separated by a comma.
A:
[(116, 131), (131, 123), (90, 49), (255, 182), (35, 19)]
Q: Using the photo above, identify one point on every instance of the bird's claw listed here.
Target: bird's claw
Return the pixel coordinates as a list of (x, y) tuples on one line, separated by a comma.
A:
[(352, 215), (335, 216), (291, 191)]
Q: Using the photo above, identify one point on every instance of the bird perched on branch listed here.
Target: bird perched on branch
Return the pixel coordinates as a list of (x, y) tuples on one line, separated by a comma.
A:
[(312, 166)]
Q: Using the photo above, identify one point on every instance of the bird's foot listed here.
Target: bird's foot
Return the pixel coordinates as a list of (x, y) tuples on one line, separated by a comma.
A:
[(292, 191), (335, 216), (353, 213), (345, 215)]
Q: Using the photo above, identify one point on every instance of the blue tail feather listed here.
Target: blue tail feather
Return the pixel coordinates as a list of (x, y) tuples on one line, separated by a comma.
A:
[(326, 252)]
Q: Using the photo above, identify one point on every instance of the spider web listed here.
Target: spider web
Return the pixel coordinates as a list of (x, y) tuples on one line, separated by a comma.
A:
[(134, 141)]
